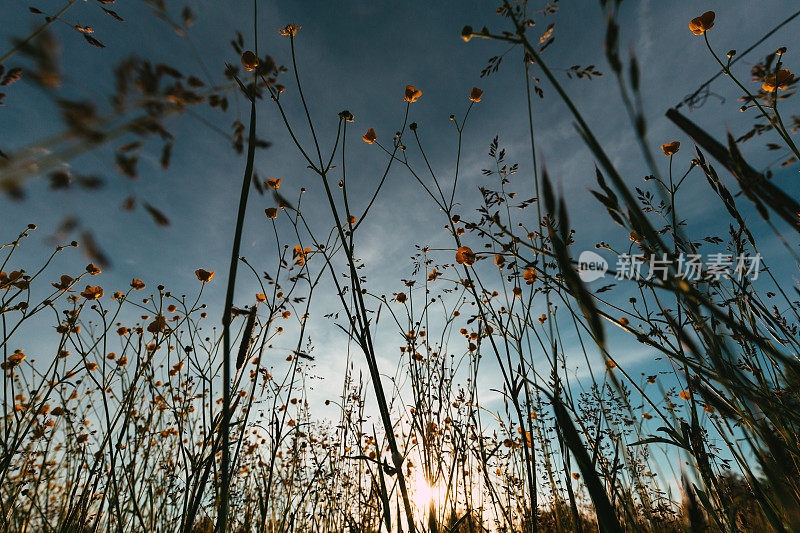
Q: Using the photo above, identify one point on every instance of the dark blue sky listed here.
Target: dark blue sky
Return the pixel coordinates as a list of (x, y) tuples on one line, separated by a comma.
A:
[(360, 57)]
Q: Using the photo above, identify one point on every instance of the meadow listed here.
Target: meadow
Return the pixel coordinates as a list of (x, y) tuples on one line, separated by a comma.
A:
[(461, 407)]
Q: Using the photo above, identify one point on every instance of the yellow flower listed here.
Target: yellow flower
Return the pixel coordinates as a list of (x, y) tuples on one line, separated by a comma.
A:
[(401, 297), (370, 136), (412, 94), (158, 325), (92, 293), (137, 284), (529, 276), (301, 254), (64, 283), (476, 94), (499, 260), (684, 394), (272, 212), (249, 60), (93, 270), (273, 183), (779, 80), (703, 23), (290, 30), (261, 297), (204, 275), (671, 148), (351, 220), (465, 256)]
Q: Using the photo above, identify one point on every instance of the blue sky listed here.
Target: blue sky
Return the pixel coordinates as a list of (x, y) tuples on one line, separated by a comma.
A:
[(360, 57)]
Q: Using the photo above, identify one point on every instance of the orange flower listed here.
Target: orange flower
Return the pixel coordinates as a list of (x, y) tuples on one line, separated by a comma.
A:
[(671, 148), (204, 275), (301, 255), (92, 293), (465, 256), (171, 308), (647, 416), (703, 23), (273, 183), (529, 276), (122, 330), (779, 80), (370, 136), (684, 394), (261, 297), (271, 212), (352, 220), (93, 270), (517, 291), (91, 366), (137, 284), (290, 30), (475, 94), (158, 325), (412, 94), (64, 283), (249, 60), (624, 321), (401, 297), (499, 260)]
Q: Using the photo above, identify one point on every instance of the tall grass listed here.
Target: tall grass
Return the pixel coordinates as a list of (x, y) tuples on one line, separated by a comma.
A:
[(146, 416)]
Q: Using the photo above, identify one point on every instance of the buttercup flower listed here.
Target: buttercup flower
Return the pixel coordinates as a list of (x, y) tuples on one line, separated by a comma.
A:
[(465, 256), (273, 183), (529, 276), (346, 116), (401, 297), (92, 293), (290, 30), (137, 284), (703, 23), (272, 212), (370, 136), (671, 148), (93, 270), (412, 94), (204, 275), (475, 94), (778, 80), (301, 254), (64, 283), (249, 60)]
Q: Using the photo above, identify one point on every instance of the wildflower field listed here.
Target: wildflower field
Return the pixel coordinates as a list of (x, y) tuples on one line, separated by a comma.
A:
[(527, 266)]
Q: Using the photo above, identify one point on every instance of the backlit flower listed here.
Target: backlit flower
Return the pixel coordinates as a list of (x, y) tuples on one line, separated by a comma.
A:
[(475, 94), (703, 23), (137, 284), (271, 212), (93, 270), (92, 293), (273, 183), (290, 30), (778, 80), (412, 94), (301, 255), (529, 276), (204, 275), (671, 148), (401, 297), (465, 256), (249, 60), (370, 136), (64, 283)]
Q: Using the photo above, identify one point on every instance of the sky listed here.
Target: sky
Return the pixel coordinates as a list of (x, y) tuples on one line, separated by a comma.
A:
[(360, 56)]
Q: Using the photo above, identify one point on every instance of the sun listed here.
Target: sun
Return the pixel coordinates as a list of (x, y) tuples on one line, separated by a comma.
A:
[(425, 495)]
